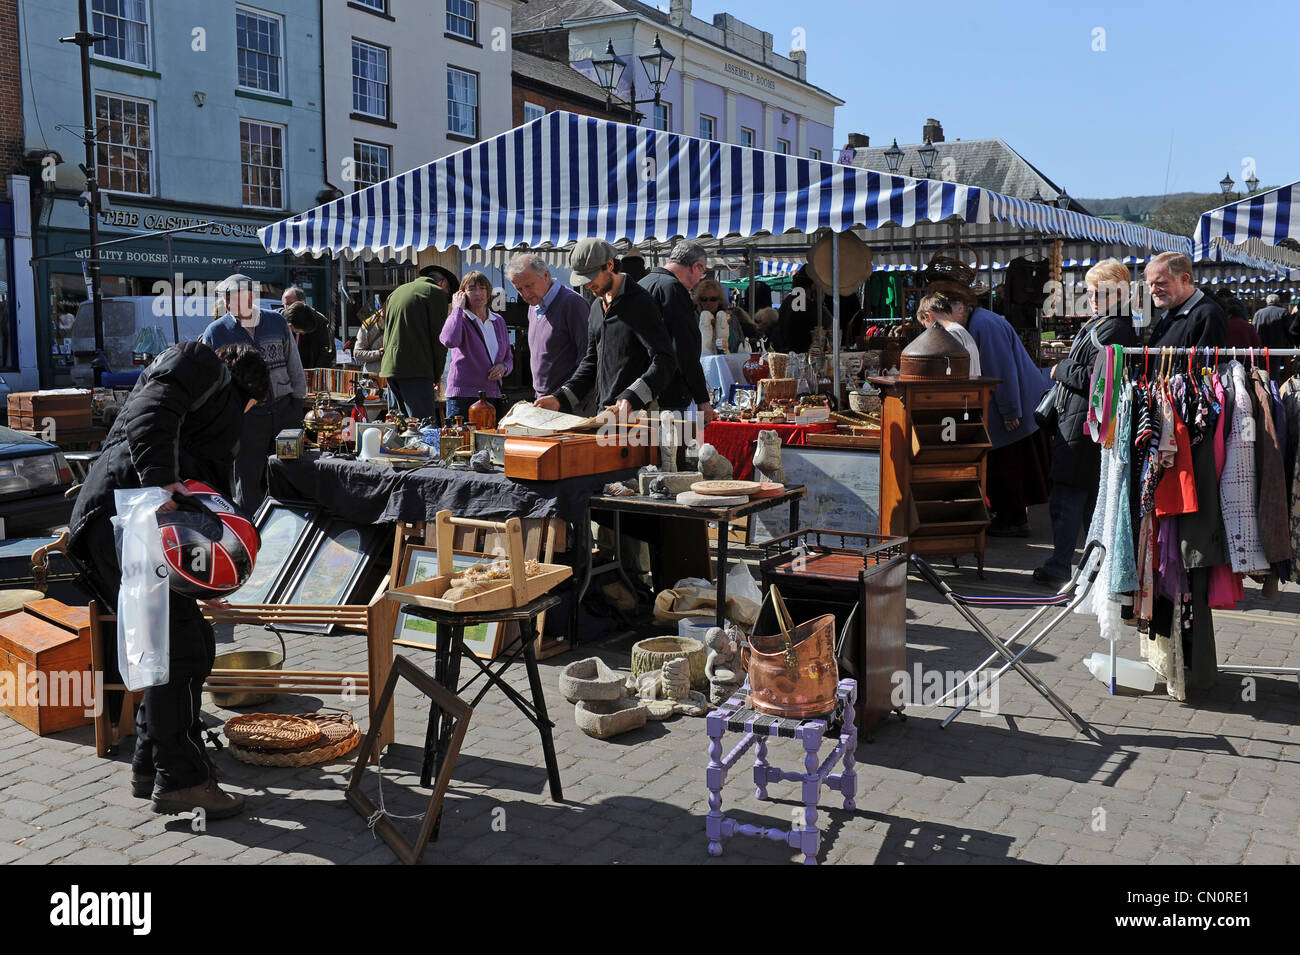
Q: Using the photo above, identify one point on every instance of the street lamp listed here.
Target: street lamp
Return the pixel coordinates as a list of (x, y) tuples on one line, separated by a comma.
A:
[(1226, 184), (1253, 182), (609, 67), (1037, 197), (893, 156), (1062, 200), (927, 154)]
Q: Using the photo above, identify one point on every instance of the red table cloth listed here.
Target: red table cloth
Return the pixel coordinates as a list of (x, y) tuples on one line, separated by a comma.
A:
[(736, 440)]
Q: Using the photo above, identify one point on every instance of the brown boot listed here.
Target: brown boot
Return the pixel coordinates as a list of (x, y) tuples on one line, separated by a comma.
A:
[(207, 796)]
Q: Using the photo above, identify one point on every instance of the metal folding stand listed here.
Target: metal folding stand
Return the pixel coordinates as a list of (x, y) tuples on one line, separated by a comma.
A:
[(1069, 598)]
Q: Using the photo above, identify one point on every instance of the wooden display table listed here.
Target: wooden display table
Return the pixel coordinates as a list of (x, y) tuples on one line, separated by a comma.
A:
[(933, 469)]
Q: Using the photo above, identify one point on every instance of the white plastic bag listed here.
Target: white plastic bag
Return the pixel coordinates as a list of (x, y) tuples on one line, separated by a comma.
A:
[(743, 596), (144, 599)]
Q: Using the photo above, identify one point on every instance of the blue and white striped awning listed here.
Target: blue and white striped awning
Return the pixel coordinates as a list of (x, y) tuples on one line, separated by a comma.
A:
[(1075, 225), (1269, 216), (564, 177)]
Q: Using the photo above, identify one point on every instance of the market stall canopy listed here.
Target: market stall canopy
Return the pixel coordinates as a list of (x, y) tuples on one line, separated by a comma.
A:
[(1269, 216), (564, 177)]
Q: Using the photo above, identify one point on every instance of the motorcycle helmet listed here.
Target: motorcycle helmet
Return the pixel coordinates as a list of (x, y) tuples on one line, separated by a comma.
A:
[(209, 546)]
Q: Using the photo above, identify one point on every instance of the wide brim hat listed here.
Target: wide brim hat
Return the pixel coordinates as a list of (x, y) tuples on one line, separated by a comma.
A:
[(855, 262), (453, 282)]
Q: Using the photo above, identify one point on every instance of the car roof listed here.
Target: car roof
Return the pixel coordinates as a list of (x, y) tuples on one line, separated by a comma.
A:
[(15, 444)]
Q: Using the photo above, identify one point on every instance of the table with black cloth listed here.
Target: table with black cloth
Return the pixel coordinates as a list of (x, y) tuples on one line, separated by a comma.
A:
[(376, 494)]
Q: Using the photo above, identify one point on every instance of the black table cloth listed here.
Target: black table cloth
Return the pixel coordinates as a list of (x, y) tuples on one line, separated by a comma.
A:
[(370, 494)]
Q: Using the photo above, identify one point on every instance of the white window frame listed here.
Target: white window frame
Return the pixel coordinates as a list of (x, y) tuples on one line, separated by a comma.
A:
[(243, 165), (387, 82), (713, 126), (783, 146), (753, 137), (460, 17), (537, 111), (370, 5), (668, 117), (814, 153), (476, 105), (272, 18), (357, 162), (148, 37), (103, 168)]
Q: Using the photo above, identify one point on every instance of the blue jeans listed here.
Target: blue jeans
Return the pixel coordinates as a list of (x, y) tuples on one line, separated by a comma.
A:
[(1070, 508), (460, 406)]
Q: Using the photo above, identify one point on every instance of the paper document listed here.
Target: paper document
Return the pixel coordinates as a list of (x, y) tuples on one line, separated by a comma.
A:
[(528, 419)]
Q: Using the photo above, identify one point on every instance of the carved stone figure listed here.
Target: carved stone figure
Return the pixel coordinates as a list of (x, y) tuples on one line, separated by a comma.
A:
[(767, 457), (713, 465)]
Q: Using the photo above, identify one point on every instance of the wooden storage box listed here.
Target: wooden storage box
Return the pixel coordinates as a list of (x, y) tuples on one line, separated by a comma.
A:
[(560, 456), (861, 579), (67, 410), (47, 647)]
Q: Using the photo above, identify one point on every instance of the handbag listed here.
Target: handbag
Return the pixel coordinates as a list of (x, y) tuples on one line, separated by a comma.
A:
[(1046, 413)]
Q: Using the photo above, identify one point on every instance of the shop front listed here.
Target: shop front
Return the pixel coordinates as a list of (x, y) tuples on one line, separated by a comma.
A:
[(177, 253)]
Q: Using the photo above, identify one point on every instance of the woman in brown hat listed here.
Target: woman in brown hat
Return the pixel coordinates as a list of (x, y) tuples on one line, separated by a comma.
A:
[(1020, 459)]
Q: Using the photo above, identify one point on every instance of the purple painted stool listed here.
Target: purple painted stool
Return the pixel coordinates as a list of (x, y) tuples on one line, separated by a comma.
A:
[(737, 717)]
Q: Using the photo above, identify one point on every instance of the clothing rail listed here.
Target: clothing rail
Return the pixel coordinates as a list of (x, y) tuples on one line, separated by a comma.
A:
[(1218, 352)]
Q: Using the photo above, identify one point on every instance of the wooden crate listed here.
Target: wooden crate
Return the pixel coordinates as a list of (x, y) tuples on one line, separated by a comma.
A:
[(52, 639), (35, 410), (517, 591)]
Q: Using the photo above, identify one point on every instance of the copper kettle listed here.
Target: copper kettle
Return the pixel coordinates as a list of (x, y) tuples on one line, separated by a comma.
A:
[(793, 673)]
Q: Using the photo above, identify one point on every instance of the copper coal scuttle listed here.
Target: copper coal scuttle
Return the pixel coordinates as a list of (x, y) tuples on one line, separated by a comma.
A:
[(793, 672), (934, 354)]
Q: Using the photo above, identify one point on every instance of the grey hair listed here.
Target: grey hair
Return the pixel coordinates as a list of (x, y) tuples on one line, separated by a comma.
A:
[(1272, 299), (688, 253), (296, 291), (527, 260)]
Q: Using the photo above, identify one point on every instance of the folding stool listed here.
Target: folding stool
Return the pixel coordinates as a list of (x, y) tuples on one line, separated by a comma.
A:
[(1069, 598)]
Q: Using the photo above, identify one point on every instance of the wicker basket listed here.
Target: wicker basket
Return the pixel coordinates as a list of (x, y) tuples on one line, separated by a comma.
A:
[(272, 732), (946, 267), (323, 752)]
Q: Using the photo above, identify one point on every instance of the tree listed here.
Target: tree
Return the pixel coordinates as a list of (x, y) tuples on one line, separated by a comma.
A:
[(1180, 216)]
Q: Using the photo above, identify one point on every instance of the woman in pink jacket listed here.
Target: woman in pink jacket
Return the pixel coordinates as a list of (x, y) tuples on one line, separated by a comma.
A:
[(478, 348)]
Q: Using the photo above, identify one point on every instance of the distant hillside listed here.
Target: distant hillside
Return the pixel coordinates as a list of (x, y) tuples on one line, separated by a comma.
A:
[(1132, 208)]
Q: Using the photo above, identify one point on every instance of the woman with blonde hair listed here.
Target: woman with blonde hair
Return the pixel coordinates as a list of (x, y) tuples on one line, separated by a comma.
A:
[(710, 296), (1076, 458), (478, 347)]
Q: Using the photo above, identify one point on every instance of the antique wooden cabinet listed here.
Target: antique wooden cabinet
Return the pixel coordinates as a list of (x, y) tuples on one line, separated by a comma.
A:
[(933, 470)]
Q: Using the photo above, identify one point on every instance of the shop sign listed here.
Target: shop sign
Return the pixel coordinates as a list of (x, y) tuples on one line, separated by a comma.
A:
[(749, 75), (137, 257), (157, 221)]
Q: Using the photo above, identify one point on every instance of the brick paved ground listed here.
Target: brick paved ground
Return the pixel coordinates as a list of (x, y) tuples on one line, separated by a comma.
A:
[(1216, 781)]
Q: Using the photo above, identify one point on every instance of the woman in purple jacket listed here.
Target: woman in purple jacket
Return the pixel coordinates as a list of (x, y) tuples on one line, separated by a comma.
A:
[(478, 347)]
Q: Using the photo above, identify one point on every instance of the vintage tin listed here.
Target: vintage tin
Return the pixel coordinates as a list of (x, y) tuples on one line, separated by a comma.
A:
[(288, 444)]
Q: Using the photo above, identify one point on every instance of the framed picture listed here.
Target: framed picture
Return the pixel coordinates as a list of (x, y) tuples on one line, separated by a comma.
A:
[(334, 561), (385, 429), (420, 563), (843, 491), (285, 529)]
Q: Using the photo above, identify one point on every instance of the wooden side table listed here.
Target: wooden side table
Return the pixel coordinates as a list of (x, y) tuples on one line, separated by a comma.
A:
[(451, 650)]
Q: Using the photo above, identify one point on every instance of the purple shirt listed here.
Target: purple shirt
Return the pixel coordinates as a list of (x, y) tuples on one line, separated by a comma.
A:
[(557, 337), (468, 361)]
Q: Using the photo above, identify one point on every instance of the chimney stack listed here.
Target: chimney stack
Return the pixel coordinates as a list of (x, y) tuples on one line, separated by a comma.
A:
[(679, 11), (858, 141), (932, 130)]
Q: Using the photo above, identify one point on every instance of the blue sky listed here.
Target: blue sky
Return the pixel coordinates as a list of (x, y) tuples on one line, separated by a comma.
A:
[(1217, 81)]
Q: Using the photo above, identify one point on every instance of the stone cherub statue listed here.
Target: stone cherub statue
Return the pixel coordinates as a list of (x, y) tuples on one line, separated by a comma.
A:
[(713, 465), (722, 665)]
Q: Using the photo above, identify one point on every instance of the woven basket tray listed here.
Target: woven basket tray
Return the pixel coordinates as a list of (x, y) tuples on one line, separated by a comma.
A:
[(272, 732), (323, 752)]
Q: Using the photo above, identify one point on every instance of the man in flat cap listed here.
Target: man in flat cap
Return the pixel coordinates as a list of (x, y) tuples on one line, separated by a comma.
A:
[(629, 359), (245, 323)]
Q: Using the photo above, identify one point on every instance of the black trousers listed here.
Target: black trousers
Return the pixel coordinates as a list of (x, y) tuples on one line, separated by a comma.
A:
[(256, 444), (169, 741)]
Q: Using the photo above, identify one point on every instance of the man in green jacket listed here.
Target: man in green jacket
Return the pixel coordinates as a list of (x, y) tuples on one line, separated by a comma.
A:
[(413, 355)]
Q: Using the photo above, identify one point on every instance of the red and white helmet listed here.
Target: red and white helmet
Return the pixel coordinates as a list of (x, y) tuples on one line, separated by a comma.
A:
[(209, 546)]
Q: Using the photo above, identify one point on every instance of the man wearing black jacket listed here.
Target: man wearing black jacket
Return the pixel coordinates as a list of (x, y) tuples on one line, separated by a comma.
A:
[(1191, 317), (671, 288), (183, 421), (629, 360)]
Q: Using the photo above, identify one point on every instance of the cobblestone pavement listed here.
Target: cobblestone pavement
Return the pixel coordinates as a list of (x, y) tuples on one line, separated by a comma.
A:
[(1217, 781)]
